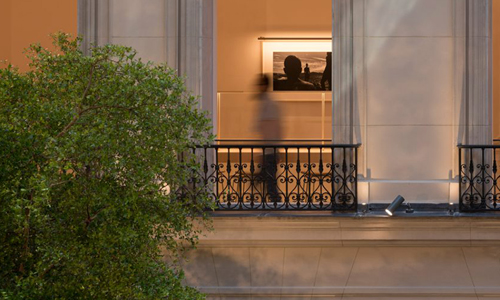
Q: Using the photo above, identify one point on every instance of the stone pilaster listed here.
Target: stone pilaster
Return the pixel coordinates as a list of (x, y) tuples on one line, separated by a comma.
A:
[(473, 72), (343, 72), (93, 22), (185, 43)]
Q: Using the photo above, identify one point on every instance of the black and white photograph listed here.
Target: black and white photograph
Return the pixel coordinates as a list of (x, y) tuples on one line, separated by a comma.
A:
[(302, 71)]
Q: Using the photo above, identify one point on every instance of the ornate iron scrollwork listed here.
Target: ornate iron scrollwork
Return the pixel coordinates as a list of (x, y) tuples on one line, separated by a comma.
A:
[(479, 178), (278, 176)]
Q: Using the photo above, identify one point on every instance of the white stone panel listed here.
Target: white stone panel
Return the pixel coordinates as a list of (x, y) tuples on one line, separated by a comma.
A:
[(359, 95), (137, 18), (360, 137), (170, 53), (409, 17), (484, 265), (483, 231), (459, 79), (480, 90), (171, 18), (410, 230), (232, 266), (300, 267), (358, 18), (286, 297), (410, 267), (342, 259), (149, 49), (410, 81), (455, 297), (385, 192), (409, 152), (199, 268), (267, 266)]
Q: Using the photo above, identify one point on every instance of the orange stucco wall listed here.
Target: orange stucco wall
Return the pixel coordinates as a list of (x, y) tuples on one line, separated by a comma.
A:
[(5, 30), (496, 68), (23, 22)]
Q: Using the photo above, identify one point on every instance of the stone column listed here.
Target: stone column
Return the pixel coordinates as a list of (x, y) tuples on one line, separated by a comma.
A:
[(474, 71), (343, 72), (93, 22), (177, 32), (195, 49)]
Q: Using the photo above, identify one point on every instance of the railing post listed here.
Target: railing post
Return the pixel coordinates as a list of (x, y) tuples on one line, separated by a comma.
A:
[(355, 179), (460, 198), (477, 178)]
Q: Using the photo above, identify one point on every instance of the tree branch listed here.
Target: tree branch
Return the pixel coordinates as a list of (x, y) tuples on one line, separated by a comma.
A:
[(85, 93), (81, 112), (26, 233), (91, 218)]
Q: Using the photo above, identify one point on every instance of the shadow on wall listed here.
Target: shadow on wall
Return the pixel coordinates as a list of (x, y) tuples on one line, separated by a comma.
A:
[(270, 272), (218, 271)]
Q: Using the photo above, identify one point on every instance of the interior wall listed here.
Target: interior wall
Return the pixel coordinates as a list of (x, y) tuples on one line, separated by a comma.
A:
[(32, 21), (242, 22), (496, 68), (239, 59)]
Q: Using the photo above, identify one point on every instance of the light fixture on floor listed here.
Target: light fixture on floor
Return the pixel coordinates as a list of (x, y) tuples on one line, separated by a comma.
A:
[(397, 203), (451, 208)]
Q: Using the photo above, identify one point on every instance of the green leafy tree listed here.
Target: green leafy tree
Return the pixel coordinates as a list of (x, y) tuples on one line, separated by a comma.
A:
[(89, 149)]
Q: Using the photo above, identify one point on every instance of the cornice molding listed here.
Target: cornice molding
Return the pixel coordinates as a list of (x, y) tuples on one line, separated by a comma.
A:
[(319, 232)]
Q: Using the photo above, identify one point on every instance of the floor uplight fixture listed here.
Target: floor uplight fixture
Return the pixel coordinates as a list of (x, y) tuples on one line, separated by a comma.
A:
[(397, 203)]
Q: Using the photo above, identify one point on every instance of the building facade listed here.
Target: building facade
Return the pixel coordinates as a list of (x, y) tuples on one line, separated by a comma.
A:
[(411, 80)]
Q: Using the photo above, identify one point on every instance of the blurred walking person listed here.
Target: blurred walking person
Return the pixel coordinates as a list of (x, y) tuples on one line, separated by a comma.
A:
[(269, 127)]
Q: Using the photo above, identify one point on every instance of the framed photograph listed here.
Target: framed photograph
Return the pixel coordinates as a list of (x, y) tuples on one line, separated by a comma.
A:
[(302, 71), (299, 66)]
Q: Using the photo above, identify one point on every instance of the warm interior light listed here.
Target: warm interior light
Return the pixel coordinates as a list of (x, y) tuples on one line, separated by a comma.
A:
[(388, 212), (363, 192), (454, 190)]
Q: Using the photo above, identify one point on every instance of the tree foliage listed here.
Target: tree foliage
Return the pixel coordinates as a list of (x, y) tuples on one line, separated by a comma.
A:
[(89, 150)]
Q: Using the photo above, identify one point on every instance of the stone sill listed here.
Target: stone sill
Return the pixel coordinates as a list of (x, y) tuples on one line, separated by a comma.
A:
[(404, 292), (376, 210), (278, 229)]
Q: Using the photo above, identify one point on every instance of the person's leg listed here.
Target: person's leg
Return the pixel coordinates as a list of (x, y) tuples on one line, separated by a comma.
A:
[(270, 169)]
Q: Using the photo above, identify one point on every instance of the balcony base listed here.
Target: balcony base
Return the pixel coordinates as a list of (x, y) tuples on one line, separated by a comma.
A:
[(348, 257)]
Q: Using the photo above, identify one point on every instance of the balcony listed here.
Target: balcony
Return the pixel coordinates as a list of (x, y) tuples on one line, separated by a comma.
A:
[(315, 175), (479, 178), (277, 175)]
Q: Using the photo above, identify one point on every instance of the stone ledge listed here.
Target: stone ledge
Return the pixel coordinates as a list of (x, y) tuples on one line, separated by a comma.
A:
[(331, 231), (361, 292)]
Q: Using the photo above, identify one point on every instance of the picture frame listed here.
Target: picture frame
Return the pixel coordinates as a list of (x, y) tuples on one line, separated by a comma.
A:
[(298, 66)]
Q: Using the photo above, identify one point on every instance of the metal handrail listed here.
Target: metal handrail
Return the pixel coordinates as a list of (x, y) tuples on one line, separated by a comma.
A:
[(479, 146), (298, 178), (479, 178), (224, 143), (349, 146)]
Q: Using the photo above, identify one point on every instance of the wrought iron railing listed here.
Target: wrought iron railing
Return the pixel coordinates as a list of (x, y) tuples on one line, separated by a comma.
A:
[(479, 177), (298, 175)]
